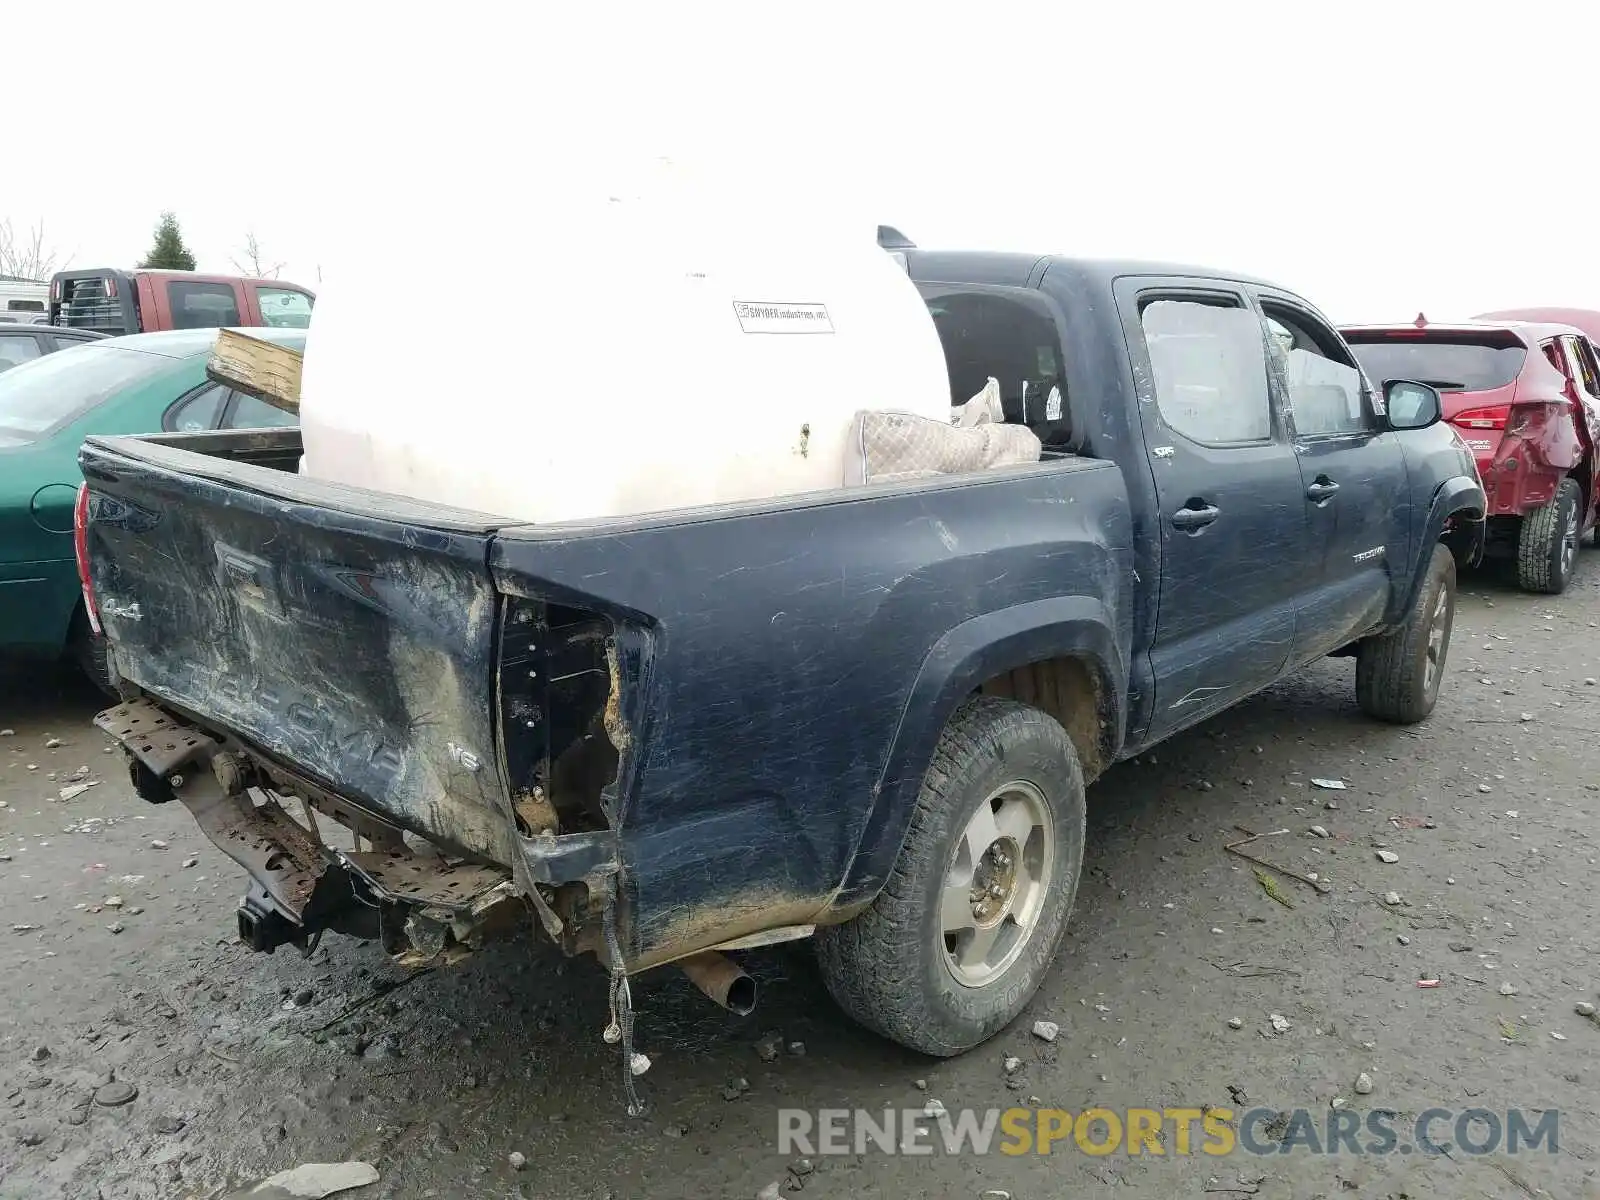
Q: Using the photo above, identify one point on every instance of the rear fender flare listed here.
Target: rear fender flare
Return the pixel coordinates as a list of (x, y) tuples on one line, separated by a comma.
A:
[(972, 653)]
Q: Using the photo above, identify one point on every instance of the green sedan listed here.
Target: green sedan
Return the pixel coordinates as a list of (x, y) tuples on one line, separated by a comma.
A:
[(145, 383)]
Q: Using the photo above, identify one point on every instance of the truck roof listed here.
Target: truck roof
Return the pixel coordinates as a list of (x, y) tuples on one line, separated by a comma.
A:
[(1010, 269), (160, 273)]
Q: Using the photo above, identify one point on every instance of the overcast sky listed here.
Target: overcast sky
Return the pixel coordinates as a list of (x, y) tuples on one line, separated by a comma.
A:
[(1377, 158)]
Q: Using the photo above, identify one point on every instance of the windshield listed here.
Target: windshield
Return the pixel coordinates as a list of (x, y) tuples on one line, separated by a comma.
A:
[(1450, 366), (39, 397)]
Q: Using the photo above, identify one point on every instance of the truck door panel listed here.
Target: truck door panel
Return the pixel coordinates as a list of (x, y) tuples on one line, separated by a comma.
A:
[(1357, 501), (1234, 550)]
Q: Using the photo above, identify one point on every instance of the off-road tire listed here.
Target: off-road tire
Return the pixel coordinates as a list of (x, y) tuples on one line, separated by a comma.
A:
[(1542, 565), (886, 966), (1392, 679)]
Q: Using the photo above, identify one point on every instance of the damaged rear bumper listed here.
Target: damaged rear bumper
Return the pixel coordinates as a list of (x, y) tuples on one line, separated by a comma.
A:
[(418, 900)]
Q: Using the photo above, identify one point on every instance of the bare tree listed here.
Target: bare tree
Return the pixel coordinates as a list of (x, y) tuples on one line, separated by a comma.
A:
[(253, 263), (26, 255)]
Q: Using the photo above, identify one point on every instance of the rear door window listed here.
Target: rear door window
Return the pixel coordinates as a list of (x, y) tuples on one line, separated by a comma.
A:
[(1210, 368), (247, 412), (197, 411), (16, 349), (1583, 366), (202, 305)]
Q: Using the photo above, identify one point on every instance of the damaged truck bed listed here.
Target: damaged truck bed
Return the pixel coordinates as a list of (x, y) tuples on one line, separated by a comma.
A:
[(707, 700), (868, 713)]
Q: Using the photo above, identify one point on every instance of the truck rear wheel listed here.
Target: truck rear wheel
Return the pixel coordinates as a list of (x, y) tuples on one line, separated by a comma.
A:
[(970, 917), (1398, 674), (1547, 544)]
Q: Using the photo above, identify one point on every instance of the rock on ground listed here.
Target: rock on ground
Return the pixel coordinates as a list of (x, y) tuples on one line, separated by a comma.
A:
[(310, 1181)]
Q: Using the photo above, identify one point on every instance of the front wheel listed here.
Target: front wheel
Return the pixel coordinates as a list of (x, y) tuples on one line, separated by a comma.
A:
[(1547, 544), (1398, 673), (967, 924)]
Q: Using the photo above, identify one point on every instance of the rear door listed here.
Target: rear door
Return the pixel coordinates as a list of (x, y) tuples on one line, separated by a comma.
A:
[(1234, 550), (1354, 474), (1584, 371)]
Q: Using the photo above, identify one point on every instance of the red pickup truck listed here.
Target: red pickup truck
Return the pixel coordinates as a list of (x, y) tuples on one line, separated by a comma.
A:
[(115, 302), (1525, 397)]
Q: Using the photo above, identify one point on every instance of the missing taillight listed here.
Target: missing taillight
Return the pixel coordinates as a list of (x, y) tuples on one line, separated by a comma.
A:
[(80, 549)]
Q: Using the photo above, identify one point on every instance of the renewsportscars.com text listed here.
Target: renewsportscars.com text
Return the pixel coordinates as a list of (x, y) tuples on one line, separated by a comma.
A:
[(1166, 1131)]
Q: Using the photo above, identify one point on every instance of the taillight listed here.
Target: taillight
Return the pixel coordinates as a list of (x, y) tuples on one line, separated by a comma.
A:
[(111, 287), (80, 549), (1494, 416)]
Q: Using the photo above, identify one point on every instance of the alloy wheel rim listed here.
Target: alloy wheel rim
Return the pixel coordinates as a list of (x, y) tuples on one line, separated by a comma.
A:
[(995, 884), (1438, 633)]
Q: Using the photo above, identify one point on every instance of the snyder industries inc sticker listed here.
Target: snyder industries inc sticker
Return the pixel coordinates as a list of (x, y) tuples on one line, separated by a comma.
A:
[(769, 316)]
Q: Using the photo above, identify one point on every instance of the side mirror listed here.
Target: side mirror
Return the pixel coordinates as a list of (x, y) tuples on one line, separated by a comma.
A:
[(1411, 405)]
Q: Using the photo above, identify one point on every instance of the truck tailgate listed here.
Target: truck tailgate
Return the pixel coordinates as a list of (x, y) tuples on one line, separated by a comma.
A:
[(348, 635)]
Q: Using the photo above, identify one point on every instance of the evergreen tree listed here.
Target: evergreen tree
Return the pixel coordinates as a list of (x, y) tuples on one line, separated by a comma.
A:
[(169, 253)]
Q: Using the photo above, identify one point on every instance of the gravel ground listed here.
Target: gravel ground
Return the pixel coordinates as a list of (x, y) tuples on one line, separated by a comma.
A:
[(242, 1064)]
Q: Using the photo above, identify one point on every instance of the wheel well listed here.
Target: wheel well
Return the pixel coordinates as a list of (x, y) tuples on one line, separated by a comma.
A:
[(1465, 539), (1070, 690)]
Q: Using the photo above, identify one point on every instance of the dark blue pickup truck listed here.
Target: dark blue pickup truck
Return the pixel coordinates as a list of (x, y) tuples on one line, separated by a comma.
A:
[(867, 714)]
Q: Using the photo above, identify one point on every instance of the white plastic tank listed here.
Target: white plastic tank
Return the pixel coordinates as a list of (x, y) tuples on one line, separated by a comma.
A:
[(652, 346)]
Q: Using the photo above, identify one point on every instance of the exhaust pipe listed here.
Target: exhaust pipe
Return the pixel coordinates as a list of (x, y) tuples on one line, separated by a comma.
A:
[(722, 979)]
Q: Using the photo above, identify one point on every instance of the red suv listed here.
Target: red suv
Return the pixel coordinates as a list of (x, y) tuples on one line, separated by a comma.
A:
[(1525, 397)]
